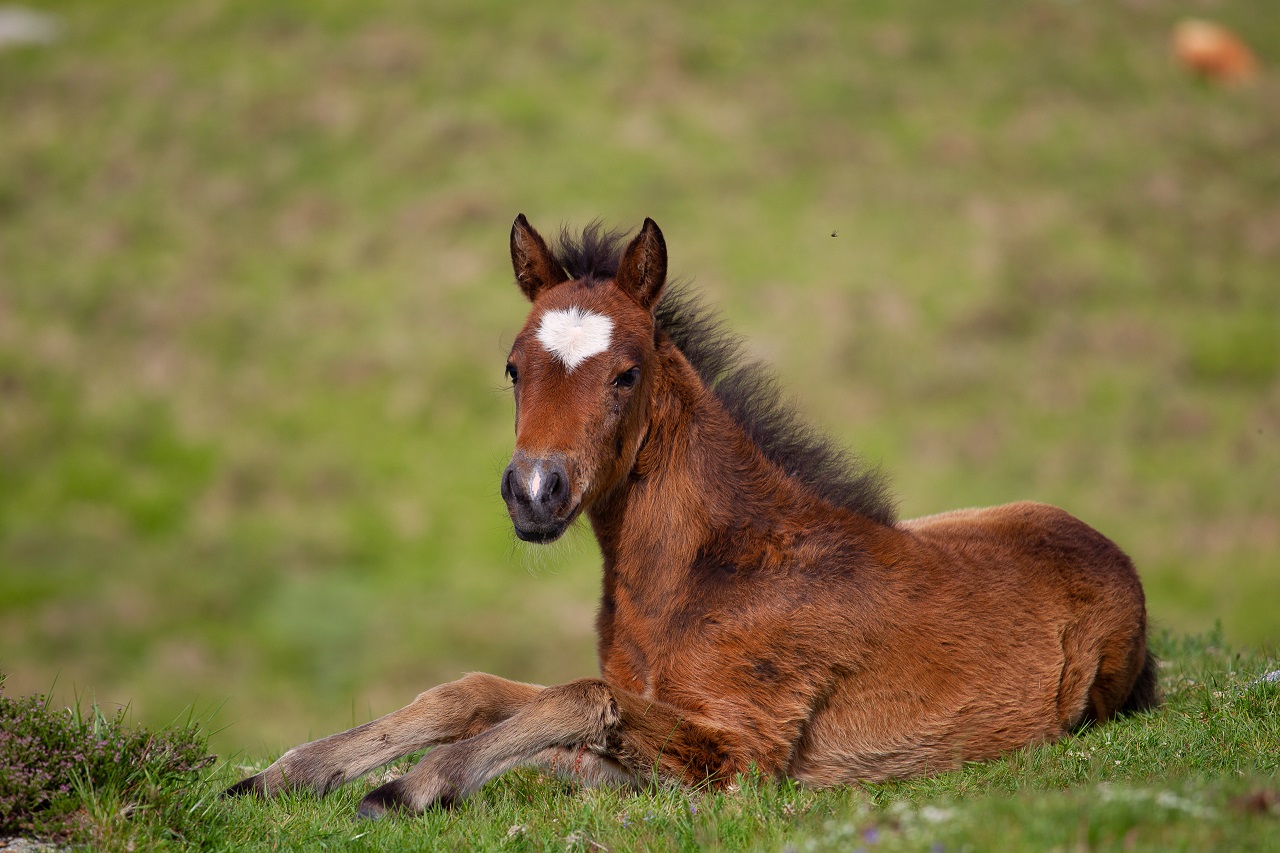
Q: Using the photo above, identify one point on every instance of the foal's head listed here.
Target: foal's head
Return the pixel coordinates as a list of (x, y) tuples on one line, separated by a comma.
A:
[(581, 371)]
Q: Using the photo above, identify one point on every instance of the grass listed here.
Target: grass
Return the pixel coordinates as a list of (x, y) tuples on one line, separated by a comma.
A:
[(73, 774), (254, 301), (1197, 774)]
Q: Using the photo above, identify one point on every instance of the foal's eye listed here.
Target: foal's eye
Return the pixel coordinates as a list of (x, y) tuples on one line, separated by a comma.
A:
[(512, 374), (627, 378)]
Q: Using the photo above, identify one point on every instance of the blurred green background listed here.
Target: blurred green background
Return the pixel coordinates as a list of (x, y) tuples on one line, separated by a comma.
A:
[(255, 300)]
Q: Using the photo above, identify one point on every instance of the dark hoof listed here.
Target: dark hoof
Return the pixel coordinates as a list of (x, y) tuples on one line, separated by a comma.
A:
[(390, 799), (246, 788), (371, 811), (382, 801)]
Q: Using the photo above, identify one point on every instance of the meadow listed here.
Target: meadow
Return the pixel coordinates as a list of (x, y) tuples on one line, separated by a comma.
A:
[(1199, 774), (255, 300)]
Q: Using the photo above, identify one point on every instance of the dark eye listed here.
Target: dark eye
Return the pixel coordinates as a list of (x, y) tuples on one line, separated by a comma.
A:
[(512, 374), (627, 378)]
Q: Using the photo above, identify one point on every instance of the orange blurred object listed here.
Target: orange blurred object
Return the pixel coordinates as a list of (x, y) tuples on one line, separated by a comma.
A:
[(1213, 51)]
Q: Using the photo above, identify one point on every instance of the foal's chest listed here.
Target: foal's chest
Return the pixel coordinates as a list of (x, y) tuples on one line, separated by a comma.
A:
[(659, 648)]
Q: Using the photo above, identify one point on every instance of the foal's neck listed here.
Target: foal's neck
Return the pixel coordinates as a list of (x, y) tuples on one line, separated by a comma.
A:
[(694, 478)]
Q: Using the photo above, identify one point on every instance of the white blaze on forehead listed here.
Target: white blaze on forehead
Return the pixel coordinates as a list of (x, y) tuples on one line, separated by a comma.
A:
[(574, 335)]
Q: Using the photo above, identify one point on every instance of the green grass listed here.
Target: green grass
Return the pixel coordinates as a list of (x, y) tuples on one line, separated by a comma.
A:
[(255, 297), (1197, 774)]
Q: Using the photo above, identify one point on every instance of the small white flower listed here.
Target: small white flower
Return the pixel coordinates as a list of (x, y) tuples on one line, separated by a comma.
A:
[(933, 814)]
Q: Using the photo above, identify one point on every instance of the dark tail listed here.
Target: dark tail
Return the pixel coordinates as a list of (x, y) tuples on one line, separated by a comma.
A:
[(1145, 695)]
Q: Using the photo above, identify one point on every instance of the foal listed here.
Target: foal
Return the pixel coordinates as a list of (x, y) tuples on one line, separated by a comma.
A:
[(761, 605)]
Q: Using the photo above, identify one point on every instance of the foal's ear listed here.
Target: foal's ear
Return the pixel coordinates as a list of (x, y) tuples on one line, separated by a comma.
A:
[(643, 270), (536, 268)]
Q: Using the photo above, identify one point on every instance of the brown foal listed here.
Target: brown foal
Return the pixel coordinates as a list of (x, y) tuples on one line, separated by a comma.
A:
[(761, 604)]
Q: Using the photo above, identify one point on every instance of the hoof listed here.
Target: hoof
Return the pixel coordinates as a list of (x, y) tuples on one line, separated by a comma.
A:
[(370, 811), (382, 801), (391, 799), (246, 788)]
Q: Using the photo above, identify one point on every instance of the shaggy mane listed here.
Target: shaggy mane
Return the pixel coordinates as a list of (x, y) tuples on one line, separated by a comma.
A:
[(749, 391)]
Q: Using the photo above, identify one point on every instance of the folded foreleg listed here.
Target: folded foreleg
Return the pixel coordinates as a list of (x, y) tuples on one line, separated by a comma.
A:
[(621, 734), (449, 712)]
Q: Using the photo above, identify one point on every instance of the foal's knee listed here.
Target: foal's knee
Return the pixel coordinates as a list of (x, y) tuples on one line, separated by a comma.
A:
[(474, 703), (589, 700)]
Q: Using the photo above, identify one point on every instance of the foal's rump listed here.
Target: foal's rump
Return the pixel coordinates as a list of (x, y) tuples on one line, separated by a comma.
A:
[(1070, 579), (1013, 625), (1039, 559)]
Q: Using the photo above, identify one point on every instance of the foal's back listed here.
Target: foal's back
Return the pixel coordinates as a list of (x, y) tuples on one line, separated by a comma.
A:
[(1002, 626)]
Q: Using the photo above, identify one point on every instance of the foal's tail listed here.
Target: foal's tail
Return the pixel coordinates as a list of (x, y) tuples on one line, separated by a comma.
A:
[(1145, 695)]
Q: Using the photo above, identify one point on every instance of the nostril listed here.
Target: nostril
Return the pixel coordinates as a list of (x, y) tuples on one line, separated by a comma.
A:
[(508, 484), (554, 487)]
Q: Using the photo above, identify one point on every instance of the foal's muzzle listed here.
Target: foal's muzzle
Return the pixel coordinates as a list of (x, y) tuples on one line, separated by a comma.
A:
[(538, 496)]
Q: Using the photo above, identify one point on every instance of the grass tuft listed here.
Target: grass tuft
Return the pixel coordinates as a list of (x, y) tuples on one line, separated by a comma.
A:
[(74, 774)]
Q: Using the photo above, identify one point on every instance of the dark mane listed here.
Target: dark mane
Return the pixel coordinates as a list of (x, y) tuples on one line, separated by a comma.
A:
[(748, 391), (593, 255)]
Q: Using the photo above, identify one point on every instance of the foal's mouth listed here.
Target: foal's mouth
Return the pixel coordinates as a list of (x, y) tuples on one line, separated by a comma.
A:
[(540, 531), (540, 536)]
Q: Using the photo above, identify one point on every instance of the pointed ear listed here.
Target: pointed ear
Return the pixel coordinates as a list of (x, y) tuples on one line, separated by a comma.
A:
[(536, 268), (643, 270)]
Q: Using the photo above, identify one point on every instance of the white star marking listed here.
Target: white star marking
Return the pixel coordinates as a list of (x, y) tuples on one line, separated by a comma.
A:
[(574, 335)]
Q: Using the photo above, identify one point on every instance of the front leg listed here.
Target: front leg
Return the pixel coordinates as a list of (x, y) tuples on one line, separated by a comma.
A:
[(449, 712), (633, 737)]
